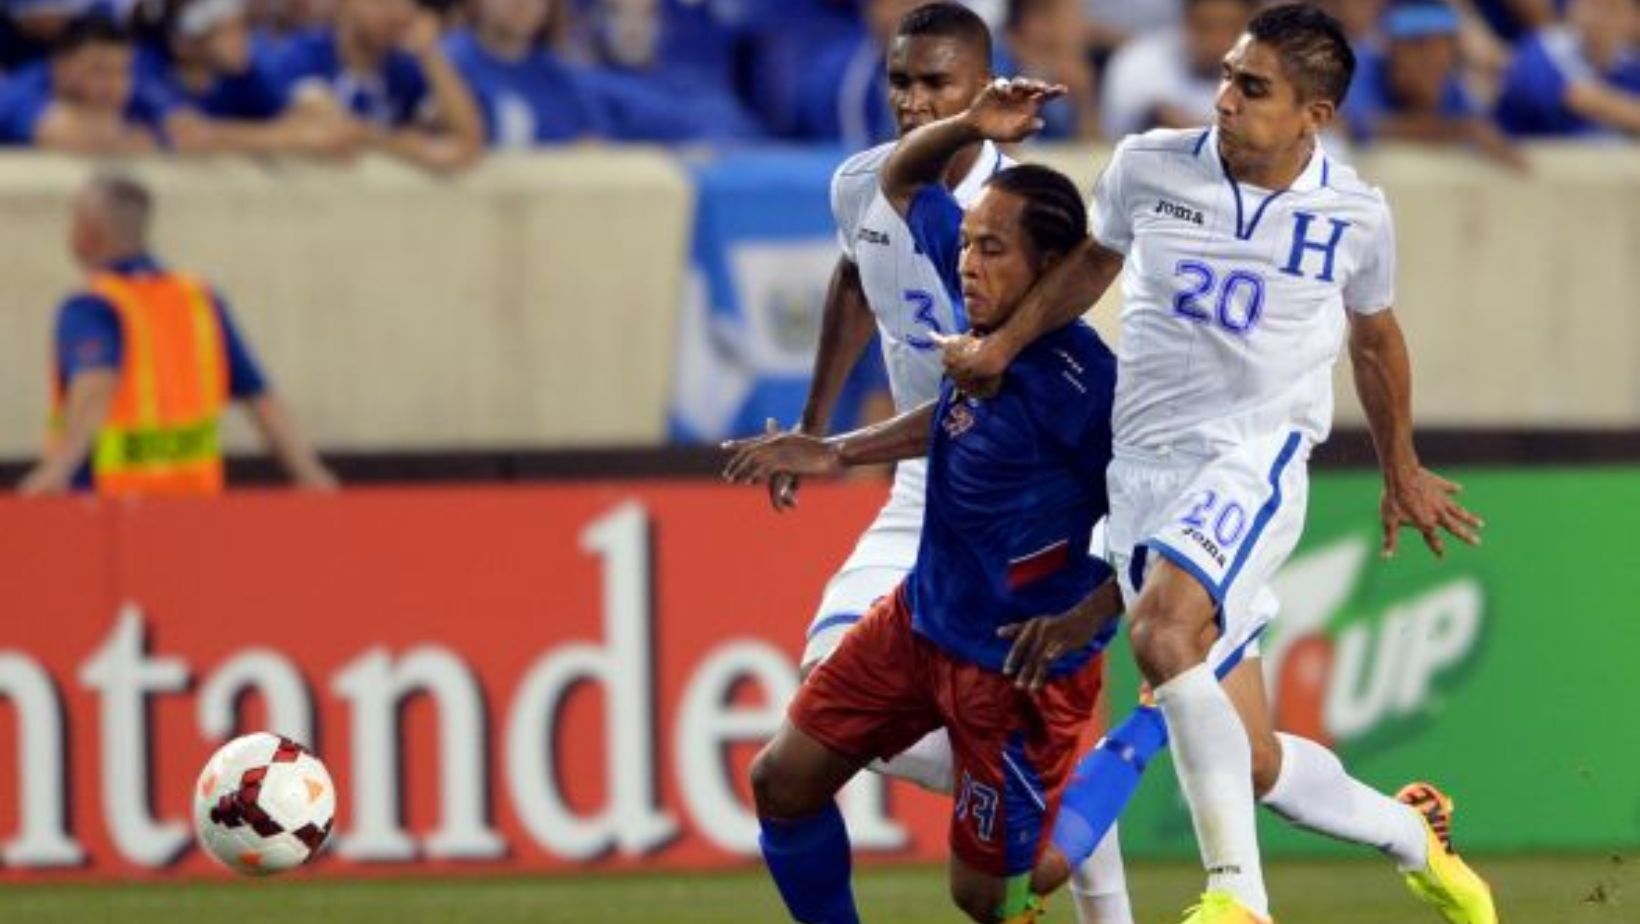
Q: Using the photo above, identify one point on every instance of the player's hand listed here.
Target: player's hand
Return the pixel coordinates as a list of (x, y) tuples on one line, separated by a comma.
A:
[(782, 485), (1039, 641), (1010, 108), (1428, 503), (974, 364), (758, 460)]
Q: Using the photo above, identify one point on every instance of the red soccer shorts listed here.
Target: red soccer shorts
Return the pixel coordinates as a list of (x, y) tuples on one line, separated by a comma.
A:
[(885, 687)]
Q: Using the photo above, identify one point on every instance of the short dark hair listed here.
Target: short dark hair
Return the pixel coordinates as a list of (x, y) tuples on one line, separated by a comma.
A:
[(91, 29), (947, 20), (1313, 48), (1054, 217)]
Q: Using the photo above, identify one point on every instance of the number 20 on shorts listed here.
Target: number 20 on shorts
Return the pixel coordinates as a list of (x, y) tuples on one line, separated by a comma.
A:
[(1228, 522)]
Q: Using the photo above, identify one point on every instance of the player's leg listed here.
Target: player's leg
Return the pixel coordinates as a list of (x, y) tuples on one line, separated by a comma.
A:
[(1306, 784), (804, 842), (1014, 753), (1210, 748), (866, 700)]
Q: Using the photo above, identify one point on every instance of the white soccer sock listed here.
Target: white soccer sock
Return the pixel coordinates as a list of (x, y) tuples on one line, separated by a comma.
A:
[(926, 763), (1215, 767), (1099, 886), (1314, 793)]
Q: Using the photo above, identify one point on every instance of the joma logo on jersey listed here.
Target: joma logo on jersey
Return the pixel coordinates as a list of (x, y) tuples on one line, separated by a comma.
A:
[(1175, 210), (872, 237)]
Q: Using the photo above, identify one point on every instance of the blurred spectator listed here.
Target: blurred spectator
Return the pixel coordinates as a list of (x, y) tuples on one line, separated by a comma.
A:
[(384, 64), (645, 95), (1513, 20), (1044, 38), (1578, 80), (29, 28), (844, 95), (88, 99), (1110, 24), (527, 96), (1170, 78), (1359, 19), (140, 414), (210, 64), (291, 17), (1412, 90)]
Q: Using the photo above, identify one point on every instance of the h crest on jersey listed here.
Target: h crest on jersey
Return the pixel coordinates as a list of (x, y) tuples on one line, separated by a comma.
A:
[(1302, 244)]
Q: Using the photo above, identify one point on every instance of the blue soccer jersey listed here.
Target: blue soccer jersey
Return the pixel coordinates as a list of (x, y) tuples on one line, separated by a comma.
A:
[(1016, 482)]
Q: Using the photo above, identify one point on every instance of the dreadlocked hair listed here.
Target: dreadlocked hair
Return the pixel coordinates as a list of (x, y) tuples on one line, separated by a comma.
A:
[(1054, 217)]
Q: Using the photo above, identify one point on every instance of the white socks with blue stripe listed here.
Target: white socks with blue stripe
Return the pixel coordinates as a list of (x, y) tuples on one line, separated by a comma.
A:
[(1314, 793), (1215, 767)]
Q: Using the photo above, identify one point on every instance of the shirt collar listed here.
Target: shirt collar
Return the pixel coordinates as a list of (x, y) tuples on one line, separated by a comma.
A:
[(140, 265), (985, 166), (1315, 175)]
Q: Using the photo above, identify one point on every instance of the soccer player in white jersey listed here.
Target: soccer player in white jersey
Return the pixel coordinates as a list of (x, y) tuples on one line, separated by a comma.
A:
[(939, 61), (1246, 255)]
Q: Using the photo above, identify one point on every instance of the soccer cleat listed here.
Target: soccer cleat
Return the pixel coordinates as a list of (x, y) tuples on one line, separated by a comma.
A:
[(1221, 908), (1446, 883)]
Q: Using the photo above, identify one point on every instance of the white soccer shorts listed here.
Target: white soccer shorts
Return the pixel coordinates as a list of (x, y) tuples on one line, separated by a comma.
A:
[(1230, 521)]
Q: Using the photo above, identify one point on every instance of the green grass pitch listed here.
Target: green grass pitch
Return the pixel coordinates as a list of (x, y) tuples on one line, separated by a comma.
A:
[(1592, 889)]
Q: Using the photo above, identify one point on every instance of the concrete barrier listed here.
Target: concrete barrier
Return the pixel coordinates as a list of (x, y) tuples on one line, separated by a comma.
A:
[(531, 303)]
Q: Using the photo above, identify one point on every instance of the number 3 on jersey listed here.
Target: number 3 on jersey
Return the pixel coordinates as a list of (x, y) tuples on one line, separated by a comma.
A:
[(922, 304), (1238, 298)]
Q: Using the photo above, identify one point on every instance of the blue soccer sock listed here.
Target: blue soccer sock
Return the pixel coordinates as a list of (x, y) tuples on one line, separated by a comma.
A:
[(1104, 781), (809, 860)]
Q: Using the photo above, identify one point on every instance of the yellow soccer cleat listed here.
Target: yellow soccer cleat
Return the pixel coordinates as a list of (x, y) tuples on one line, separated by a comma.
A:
[(1221, 908), (1446, 883)]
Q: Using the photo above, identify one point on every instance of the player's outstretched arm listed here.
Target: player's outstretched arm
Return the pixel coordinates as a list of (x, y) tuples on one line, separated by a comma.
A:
[(1006, 110), (1061, 295), (758, 459), (1413, 495)]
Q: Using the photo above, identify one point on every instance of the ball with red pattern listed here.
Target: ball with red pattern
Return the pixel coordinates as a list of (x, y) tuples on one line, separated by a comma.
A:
[(263, 804)]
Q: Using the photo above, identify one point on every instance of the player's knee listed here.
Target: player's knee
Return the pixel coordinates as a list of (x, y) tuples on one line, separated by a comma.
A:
[(772, 787), (1052, 871), (1162, 645)]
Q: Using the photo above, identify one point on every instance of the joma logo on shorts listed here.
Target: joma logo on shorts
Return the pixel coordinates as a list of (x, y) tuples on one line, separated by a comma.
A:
[(1175, 210), (1209, 545)]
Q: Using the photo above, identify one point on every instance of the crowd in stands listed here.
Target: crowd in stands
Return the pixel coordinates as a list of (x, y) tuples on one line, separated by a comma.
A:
[(438, 81)]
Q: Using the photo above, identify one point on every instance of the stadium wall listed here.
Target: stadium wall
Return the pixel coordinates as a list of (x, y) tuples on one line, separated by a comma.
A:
[(573, 678), (583, 297)]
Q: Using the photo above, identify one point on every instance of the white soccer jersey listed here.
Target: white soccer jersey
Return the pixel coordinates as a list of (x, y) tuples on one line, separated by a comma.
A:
[(1234, 297), (901, 285)]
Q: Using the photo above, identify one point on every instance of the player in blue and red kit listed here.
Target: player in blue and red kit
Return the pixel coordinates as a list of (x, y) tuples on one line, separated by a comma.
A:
[(1016, 482)]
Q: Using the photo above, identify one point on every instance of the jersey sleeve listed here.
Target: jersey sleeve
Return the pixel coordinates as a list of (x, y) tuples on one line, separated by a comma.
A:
[(1371, 288), (245, 379), (935, 220), (847, 204), (88, 336), (1111, 225)]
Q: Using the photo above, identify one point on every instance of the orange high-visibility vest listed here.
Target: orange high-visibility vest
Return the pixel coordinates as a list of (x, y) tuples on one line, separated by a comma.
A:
[(161, 436)]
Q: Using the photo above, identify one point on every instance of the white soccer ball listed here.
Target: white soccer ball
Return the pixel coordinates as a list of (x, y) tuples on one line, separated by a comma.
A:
[(263, 805)]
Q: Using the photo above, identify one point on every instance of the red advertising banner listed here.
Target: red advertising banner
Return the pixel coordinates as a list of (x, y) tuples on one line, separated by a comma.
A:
[(525, 680)]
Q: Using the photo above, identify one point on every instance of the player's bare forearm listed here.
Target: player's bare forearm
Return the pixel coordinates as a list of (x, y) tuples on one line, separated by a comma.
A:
[(902, 437), (846, 326), (1064, 293), (1383, 382), (921, 157), (1607, 105)]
